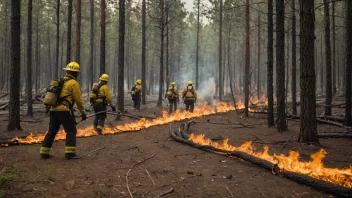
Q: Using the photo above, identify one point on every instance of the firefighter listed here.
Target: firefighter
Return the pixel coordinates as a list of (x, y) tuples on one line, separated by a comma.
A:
[(136, 93), (189, 96), (62, 114), (100, 98), (173, 97)]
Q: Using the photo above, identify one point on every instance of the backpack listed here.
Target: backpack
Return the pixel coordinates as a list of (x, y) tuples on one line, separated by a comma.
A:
[(189, 93), (95, 91), (170, 92), (53, 92)]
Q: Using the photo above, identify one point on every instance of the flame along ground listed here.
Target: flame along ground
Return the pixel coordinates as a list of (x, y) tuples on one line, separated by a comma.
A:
[(314, 168), (199, 111), (202, 110)]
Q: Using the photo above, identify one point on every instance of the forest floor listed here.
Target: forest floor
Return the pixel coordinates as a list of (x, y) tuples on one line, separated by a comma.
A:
[(187, 170)]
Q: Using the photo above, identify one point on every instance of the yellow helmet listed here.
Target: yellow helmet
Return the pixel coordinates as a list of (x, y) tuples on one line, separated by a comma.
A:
[(104, 77), (173, 83), (73, 66), (139, 81), (190, 83)]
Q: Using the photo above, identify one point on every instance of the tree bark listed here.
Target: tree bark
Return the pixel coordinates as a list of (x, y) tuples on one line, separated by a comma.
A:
[(333, 50), (348, 67), (102, 36), (29, 60), (270, 81), (121, 78), (259, 53), (197, 47), (78, 31), (247, 62), (328, 89), (91, 43), (280, 66), (56, 69), (161, 75), (308, 130), (144, 44), (69, 27), (15, 71), (220, 88), (294, 58)]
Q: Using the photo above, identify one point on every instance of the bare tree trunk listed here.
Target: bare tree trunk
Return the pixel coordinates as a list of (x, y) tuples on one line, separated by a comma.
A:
[(308, 130), (15, 71), (270, 81), (69, 27), (49, 67), (348, 67), (197, 47), (102, 36), (220, 86), (333, 50), (78, 31), (328, 88), (280, 66), (29, 60), (294, 58), (122, 18), (144, 44), (321, 64), (56, 72), (247, 62), (161, 77), (258, 53), (91, 43)]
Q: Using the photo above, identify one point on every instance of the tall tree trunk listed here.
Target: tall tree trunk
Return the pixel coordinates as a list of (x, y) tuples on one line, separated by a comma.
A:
[(37, 63), (91, 43), (294, 59), (167, 44), (308, 130), (321, 64), (69, 27), (29, 60), (258, 53), (102, 36), (56, 72), (333, 50), (220, 87), (161, 75), (49, 68), (348, 67), (78, 31), (247, 62), (120, 98), (144, 44), (197, 47), (270, 70), (328, 89), (15, 71), (280, 66)]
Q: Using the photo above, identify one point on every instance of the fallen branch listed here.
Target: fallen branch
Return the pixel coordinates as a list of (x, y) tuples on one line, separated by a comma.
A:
[(4, 95), (228, 190), (94, 151), (149, 176), (128, 187), (166, 193)]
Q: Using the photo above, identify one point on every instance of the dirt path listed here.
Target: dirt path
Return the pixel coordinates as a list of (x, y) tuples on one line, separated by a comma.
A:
[(189, 171)]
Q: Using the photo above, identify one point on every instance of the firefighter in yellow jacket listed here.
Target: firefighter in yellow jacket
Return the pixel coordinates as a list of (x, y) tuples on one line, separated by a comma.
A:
[(189, 96), (62, 114), (136, 93), (173, 97), (100, 98)]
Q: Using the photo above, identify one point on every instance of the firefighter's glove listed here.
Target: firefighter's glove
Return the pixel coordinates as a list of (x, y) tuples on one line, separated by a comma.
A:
[(113, 108), (84, 117)]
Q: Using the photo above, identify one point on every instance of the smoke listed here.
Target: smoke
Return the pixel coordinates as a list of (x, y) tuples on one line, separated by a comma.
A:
[(207, 89)]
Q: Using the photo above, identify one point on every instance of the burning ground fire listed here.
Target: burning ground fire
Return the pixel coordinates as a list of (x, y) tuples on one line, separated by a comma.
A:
[(202, 110), (291, 163)]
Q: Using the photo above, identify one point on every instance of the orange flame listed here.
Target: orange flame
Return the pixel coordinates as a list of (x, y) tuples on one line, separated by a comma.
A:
[(314, 168)]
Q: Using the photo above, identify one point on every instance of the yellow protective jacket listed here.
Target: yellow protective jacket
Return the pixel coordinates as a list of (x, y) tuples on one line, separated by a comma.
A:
[(71, 92), (174, 95), (189, 94), (104, 91)]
